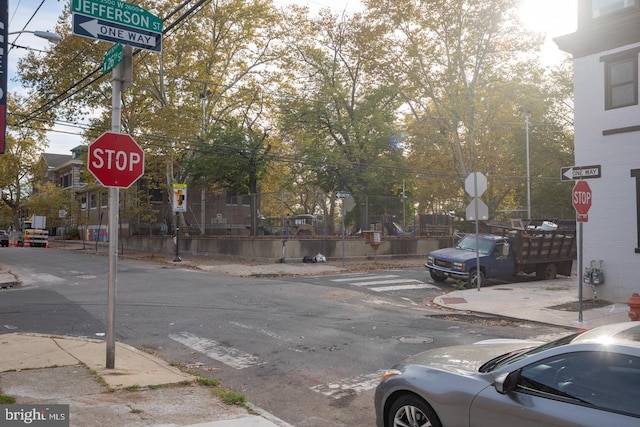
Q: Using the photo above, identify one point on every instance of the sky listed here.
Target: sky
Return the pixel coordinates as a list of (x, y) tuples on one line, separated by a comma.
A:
[(550, 17)]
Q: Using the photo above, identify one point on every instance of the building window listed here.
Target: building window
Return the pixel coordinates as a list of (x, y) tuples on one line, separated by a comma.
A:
[(94, 201), (104, 199), (621, 80), (66, 180), (605, 7), (83, 202)]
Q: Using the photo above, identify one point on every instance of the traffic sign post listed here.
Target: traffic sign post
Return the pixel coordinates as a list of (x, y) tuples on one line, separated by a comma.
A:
[(572, 173), (119, 12), (112, 58), (116, 164), (116, 160), (581, 200), (475, 184), (85, 26)]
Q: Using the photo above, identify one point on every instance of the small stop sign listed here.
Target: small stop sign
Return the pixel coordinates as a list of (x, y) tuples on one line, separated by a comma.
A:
[(116, 160), (581, 200)]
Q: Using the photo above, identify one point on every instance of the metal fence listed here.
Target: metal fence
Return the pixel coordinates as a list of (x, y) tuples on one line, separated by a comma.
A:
[(289, 214)]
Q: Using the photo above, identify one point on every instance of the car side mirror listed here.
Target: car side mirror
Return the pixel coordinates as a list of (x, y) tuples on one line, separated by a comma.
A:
[(507, 382), (505, 249)]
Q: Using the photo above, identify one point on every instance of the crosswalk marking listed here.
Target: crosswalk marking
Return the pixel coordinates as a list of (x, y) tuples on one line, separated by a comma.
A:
[(230, 356), (349, 386), (403, 287), (362, 277), (384, 283)]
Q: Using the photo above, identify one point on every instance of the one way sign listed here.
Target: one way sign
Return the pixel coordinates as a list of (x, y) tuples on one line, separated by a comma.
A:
[(93, 28), (572, 173)]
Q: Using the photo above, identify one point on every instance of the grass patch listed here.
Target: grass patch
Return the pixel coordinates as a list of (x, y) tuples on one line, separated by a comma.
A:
[(6, 400), (230, 397), (460, 285), (134, 387), (209, 382)]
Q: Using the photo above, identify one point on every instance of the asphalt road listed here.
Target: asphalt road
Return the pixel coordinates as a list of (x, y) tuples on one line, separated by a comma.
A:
[(308, 350)]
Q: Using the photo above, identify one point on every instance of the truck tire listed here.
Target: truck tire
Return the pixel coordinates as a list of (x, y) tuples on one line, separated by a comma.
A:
[(546, 272), (472, 282), (437, 276)]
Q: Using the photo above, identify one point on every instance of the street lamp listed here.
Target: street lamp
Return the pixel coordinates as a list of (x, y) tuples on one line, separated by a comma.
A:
[(52, 37)]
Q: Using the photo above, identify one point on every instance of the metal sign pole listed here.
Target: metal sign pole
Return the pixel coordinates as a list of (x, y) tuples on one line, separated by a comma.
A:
[(580, 270), (114, 202)]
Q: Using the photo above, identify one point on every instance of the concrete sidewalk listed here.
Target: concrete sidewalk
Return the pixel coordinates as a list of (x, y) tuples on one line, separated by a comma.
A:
[(141, 389), (553, 302)]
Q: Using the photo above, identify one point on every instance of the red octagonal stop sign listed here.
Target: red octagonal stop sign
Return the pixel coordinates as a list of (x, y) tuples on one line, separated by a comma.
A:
[(581, 200), (116, 160)]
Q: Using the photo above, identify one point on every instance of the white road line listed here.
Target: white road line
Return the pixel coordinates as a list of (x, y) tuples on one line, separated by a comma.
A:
[(403, 287), (386, 282), (350, 279), (228, 355), (269, 334), (348, 386)]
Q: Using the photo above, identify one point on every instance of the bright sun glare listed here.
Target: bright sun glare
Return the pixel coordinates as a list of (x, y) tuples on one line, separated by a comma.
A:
[(552, 18)]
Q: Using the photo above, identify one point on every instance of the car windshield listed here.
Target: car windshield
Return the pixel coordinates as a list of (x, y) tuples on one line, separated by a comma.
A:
[(468, 243), (514, 356)]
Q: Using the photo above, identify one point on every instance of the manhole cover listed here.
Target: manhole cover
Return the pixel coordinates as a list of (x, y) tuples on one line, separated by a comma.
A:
[(415, 340)]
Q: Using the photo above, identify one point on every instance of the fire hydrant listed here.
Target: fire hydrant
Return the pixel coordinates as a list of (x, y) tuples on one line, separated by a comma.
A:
[(634, 307)]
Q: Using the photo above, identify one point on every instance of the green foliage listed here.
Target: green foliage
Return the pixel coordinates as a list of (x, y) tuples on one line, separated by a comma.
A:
[(247, 97), (231, 157)]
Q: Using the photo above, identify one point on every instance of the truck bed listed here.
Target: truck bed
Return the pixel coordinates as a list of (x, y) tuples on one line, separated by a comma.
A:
[(535, 246), (543, 246)]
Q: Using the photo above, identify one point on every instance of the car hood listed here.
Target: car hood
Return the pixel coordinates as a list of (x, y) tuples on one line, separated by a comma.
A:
[(467, 358), (453, 254)]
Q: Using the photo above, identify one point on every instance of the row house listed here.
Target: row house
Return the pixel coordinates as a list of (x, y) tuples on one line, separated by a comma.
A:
[(605, 49)]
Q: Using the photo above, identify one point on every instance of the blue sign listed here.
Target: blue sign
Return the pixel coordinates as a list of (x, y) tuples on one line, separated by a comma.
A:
[(97, 29)]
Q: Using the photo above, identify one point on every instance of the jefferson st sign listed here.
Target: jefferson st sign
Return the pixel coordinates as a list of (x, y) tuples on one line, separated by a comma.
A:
[(118, 22)]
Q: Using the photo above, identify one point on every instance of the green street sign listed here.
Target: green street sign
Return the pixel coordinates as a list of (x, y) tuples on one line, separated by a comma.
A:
[(112, 58), (118, 12)]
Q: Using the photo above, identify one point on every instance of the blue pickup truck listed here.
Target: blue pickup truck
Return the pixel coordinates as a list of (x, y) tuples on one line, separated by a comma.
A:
[(545, 253)]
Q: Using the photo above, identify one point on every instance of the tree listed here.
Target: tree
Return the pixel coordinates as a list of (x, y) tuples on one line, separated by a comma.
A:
[(21, 155), (234, 159), (337, 115), (464, 69), (214, 68)]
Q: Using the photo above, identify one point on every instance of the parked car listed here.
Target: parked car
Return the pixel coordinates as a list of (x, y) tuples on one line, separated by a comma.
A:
[(4, 238), (588, 378)]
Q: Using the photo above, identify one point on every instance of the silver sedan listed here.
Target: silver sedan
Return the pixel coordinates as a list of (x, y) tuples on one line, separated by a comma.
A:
[(588, 378)]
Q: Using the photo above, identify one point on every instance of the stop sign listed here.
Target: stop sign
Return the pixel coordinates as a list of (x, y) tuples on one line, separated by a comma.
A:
[(116, 160), (581, 200)]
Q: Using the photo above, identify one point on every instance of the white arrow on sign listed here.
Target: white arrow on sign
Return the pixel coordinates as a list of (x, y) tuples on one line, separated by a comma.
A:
[(96, 29)]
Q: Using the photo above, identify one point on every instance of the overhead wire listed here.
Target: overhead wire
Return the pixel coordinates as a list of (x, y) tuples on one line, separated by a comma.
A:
[(90, 80), (26, 24)]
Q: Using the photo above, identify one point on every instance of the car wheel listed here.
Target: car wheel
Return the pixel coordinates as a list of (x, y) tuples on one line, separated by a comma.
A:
[(412, 411), (472, 283), (546, 272), (437, 276)]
